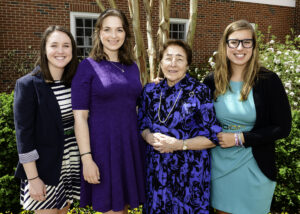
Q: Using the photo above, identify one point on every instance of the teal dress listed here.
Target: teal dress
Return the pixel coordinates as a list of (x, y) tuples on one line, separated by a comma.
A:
[(238, 186)]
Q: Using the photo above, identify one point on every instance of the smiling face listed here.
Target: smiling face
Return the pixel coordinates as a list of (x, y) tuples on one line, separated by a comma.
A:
[(112, 35), (239, 56), (174, 64), (58, 51)]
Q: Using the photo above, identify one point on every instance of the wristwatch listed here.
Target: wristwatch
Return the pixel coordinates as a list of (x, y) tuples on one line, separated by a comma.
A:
[(184, 146)]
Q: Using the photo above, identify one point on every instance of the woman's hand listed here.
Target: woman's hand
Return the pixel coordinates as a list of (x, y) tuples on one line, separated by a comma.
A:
[(226, 140), (157, 80), (164, 143), (91, 172), (37, 189), (161, 142)]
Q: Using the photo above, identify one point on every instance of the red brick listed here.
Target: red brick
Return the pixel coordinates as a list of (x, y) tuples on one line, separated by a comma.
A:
[(20, 22)]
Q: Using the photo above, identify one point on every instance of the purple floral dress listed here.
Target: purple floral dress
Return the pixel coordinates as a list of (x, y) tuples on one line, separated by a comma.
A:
[(178, 182)]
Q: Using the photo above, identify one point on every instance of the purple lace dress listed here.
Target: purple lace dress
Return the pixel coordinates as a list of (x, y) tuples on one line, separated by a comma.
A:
[(178, 182), (110, 95)]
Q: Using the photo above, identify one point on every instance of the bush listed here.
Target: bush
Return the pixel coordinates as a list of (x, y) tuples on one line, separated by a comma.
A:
[(286, 196), (284, 59), (9, 186)]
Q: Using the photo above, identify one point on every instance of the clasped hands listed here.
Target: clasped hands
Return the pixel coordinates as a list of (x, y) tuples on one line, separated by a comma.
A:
[(163, 143)]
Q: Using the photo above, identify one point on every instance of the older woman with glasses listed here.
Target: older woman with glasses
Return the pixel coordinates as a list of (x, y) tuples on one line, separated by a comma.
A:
[(253, 109), (178, 123)]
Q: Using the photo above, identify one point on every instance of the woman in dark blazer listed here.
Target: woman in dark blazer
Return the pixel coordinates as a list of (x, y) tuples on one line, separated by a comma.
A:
[(253, 109), (49, 161)]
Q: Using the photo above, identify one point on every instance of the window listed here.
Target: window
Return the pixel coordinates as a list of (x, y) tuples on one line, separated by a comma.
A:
[(82, 28), (178, 28)]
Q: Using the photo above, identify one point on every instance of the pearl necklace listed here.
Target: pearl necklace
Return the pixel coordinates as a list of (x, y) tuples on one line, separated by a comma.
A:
[(121, 69), (158, 113)]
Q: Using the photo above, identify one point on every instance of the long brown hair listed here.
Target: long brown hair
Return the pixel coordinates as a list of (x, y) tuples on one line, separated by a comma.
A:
[(125, 53), (42, 60), (222, 72)]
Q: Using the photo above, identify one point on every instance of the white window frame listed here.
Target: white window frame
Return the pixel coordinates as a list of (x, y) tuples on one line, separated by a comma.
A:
[(74, 15), (181, 21), (286, 3)]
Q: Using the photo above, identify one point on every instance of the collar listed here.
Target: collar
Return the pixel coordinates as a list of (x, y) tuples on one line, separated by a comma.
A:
[(181, 84)]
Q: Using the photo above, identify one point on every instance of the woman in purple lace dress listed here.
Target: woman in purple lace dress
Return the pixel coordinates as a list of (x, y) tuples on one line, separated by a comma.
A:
[(177, 120), (105, 90)]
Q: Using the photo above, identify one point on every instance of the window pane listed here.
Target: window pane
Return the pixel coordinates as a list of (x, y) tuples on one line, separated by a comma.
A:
[(79, 40), (181, 27), (84, 31), (80, 51), (88, 23), (174, 35), (79, 31), (88, 32), (175, 27), (79, 23), (181, 35), (87, 52)]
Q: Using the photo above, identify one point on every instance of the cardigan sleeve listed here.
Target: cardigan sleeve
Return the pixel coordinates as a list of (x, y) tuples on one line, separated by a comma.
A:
[(277, 119), (24, 117), (209, 81)]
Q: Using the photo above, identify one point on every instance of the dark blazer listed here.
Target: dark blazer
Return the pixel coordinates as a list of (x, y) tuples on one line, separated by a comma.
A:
[(38, 126), (273, 119)]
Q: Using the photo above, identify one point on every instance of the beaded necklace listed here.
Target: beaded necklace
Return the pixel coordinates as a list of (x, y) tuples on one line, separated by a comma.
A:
[(163, 121), (121, 69)]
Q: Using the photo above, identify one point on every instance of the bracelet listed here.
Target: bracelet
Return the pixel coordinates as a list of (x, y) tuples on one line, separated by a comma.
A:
[(240, 140), (236, 139), (86, 153), (30, 179)]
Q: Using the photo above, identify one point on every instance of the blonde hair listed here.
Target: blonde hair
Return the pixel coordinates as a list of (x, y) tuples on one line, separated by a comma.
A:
[(222, 72), (125, 53)]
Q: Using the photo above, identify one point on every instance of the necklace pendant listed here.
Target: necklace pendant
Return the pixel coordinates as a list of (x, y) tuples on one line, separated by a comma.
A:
[(123, 71)]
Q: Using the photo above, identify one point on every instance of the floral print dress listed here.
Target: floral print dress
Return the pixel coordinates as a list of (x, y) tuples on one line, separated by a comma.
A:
[(178, 182)]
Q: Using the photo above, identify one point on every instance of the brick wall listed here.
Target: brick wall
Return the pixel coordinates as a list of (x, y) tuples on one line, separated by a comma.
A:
[(23, 21), (297, 17)]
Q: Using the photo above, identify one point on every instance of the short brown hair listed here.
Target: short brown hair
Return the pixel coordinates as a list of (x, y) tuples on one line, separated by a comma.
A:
[(125, 53), (42, 60), (176, 42)]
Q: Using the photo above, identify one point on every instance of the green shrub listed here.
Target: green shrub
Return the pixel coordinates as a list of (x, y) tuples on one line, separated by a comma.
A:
[(284, 59), (286, 196), (9, 186)]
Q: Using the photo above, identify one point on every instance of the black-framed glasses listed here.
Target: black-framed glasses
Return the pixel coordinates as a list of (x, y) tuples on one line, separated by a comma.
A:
[(234, 43)]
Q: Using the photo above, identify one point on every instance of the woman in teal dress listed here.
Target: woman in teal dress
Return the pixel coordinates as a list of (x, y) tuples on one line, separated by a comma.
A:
[(253, 109)]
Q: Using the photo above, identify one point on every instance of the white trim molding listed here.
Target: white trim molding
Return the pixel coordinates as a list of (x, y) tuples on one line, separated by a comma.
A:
[(181, 21), (286, 3), (74, 15)]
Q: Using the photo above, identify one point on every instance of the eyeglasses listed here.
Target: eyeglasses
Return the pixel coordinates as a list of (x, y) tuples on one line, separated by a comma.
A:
[(234, 43), (169, 60)]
